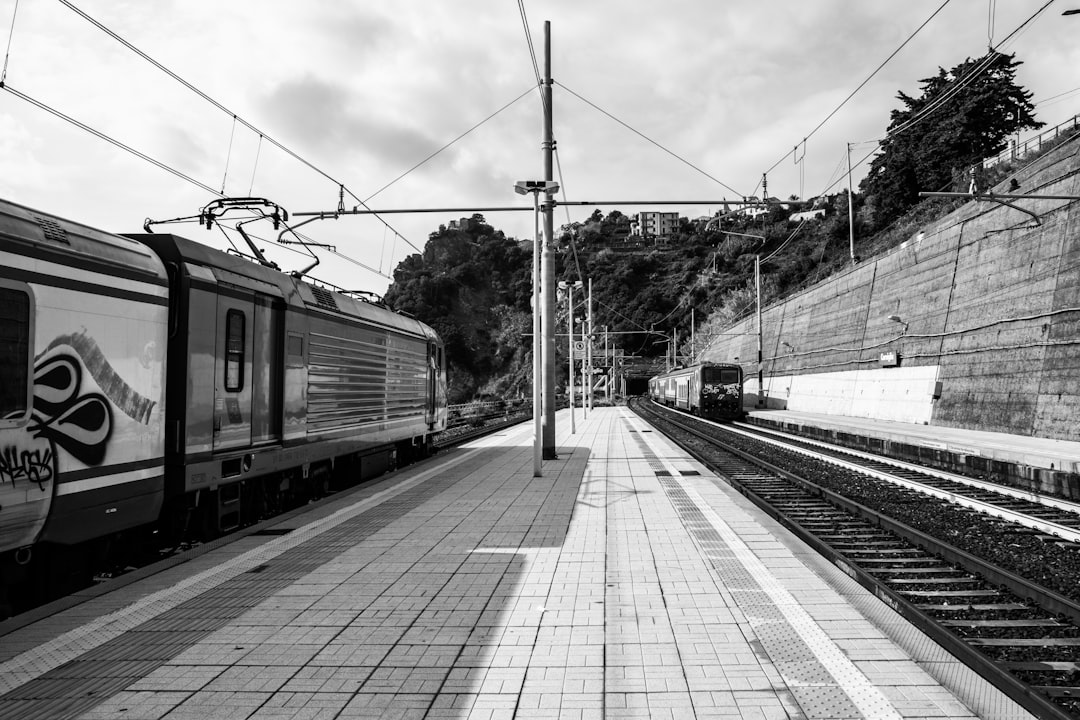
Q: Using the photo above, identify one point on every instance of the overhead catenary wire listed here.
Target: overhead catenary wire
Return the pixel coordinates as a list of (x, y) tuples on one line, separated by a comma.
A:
[(647, 138), (11, 36), (255, 165), (967, 79), (863, 83), (108, 31), (529, 43), (93, 131), (959, 85), (228, 156), (447, 145), (573, 244), (1057, 98)]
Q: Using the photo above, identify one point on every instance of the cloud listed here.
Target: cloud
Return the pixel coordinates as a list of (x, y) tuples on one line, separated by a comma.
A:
[(316, 114)]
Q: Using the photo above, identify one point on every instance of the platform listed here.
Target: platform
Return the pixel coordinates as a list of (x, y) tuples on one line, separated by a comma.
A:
[(1041, 464), (626, 582)]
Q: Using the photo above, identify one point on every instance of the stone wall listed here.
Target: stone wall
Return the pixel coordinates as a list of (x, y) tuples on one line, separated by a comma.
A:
[(989, 303)]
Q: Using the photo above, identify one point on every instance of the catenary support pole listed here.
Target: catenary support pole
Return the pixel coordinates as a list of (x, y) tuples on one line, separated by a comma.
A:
[(588, 352), (850, 209), (538, 426), (760, 365), (548, 261), (570, 327)]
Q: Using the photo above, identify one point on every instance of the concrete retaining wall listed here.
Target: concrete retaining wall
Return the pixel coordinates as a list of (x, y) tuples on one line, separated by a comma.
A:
[(990, 308)]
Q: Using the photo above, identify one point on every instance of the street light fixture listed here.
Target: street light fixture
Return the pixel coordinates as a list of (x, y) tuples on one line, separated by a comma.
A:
[(535, 187), (898, 319)]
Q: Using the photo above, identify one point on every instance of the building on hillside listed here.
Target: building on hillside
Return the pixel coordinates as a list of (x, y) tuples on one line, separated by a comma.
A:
[(654, 224), (807, 215)]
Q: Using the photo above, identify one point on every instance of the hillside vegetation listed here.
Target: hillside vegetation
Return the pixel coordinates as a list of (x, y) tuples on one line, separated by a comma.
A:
[(473, 284)]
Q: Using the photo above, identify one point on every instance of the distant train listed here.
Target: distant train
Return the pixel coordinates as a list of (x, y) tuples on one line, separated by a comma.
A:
[(709, 390), (151, 381)]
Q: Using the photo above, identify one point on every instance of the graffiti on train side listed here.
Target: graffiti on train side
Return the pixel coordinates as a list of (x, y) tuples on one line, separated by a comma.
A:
[(19, 465), (68, 412)]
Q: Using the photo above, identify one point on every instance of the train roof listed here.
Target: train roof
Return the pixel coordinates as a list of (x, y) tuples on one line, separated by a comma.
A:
[(689, 369), (54, 239), (295, 292)]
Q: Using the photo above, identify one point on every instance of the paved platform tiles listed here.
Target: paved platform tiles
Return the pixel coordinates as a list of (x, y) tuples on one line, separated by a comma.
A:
[(626, 582)]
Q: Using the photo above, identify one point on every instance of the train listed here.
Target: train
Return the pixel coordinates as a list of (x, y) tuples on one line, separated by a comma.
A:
[(709, 390), (149, 381)]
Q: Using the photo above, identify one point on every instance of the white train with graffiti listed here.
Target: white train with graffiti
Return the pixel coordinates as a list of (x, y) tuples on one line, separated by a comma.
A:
[(148, 382)]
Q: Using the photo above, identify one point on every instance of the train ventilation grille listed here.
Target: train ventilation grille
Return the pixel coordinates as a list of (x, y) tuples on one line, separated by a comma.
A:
[(324, 297), (52, 230)]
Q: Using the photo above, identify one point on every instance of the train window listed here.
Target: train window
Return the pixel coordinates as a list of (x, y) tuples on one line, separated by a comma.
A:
[(722, 376), (14, 354), (234, 351)]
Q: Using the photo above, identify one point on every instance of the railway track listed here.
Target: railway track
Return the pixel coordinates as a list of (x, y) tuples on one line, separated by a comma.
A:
[(936, 562), (1057, 517)]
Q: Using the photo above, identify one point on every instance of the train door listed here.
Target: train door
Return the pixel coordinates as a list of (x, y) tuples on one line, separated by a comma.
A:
[(267, 351), (27, 469), (682, 393), (432, 382), (233, 368)]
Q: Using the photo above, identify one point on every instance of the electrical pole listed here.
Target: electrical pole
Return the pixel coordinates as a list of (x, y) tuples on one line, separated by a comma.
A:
[(850, 209), (760, 366), (548, 263)]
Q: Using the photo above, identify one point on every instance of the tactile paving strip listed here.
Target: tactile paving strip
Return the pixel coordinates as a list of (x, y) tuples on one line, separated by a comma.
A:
[(834, 690)]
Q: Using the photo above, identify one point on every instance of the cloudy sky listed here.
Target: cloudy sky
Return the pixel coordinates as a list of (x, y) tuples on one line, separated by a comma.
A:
[(363, 91)]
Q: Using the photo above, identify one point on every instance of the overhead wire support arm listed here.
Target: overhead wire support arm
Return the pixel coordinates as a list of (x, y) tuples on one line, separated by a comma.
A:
[(516, 208)]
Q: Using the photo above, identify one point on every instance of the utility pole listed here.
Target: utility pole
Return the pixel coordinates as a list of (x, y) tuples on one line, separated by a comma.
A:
[(548, 263), (760, 366), (850, 209)]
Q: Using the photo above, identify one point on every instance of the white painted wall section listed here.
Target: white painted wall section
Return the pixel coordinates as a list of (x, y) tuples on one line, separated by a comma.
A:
[(899, 394)]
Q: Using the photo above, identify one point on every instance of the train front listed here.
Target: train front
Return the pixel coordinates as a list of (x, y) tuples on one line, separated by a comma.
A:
[(721, 392)]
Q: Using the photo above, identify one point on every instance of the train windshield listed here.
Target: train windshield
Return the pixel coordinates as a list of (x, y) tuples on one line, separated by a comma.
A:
[(721, 376)]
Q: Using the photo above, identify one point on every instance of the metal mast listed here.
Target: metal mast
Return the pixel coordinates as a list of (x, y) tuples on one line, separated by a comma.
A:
[(548, 263)]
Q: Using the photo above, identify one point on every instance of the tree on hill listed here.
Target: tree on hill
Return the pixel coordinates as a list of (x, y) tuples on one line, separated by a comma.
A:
[(962, 116), (473, 285)]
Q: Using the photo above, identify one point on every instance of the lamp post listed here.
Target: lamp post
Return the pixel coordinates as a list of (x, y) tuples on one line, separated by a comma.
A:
[(535, 187), (757, 283), (570, 287)]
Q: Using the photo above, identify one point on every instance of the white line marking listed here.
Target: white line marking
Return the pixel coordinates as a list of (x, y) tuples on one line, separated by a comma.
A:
[(866, 697)]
